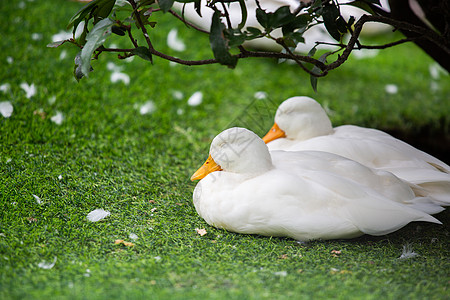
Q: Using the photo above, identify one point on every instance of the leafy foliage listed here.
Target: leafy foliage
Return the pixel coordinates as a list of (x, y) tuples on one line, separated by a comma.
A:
[(100, 18)]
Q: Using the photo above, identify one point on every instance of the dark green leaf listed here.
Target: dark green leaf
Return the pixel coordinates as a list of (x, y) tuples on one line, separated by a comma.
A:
[(218, 42), (235, 37), (97, 9), (165, 5), (144, 53), (350, 22), (364, 5), (312, 51), (263, 18), (281, 16), (300, 22), (94, 39), (313, 79), (118, 30), (330, 14)]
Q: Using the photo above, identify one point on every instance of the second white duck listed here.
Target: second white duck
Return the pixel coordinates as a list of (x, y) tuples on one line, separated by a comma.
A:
[(302, 124)]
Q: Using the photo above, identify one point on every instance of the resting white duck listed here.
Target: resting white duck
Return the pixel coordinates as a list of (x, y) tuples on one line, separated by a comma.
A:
[(302, 124), (304, 195)]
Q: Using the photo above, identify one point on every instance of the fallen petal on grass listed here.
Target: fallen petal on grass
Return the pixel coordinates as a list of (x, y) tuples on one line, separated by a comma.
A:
[(147, 108), (47, 265), (30, 90), (174, 42), (6, 109), (5, 87), (58, 118), (201, 232), (119, 76), (97, 215), (391, 88), (280, 273), (195, 99), (133, 236)]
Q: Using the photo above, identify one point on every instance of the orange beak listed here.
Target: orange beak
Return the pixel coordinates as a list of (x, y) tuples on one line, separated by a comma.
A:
[(274, 133), (208, 167)]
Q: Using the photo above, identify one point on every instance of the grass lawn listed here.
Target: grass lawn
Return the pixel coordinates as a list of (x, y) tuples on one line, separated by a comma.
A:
[(106, 154)]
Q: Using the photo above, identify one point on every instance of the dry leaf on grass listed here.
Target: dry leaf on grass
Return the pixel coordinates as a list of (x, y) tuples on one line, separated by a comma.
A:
[(202, 231), (128, 244)]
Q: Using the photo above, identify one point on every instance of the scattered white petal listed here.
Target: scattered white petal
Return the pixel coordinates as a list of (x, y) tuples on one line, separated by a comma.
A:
[(174, 42), (391, 88), (180, 111), (51, 100), (47, 265), (434, 86), (129, 59), (177, 95), (172, 63), (113, 67), (8, 160), (5, 87), (195, 99), (201, 231), (334, 270), (436, 70), (133, 236), (70, 285), (38, 200), (21, 5), (61, 36), (365, 53), (36, 36), (260, 95), (2, 234), (9, 60), (58, 118), (88, 273), (97, 215), (148, 108), (63, 55), (6, 109), (60, 177), (281, 273), (157, 258), (118, 76), (407, 252), (30, 90)]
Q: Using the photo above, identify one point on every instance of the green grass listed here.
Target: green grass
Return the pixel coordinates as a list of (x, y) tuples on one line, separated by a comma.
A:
[(138, 167)]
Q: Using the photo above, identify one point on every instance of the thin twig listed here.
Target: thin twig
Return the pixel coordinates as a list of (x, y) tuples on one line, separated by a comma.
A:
[(189, 24)]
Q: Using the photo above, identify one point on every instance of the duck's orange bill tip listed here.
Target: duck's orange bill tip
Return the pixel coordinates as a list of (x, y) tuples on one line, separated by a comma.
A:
[(274, 133), (208, 167)]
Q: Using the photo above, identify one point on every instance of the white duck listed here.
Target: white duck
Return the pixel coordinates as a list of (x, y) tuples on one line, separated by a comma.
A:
[(302, 124), (303, 195)]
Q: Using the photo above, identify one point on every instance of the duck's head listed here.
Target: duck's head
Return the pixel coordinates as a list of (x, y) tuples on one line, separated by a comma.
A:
[(299, 118), (236, 150)]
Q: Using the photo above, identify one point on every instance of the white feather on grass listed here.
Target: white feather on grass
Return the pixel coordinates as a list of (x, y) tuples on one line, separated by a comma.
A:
[(38, 200), (408, 252), (97, 215)]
